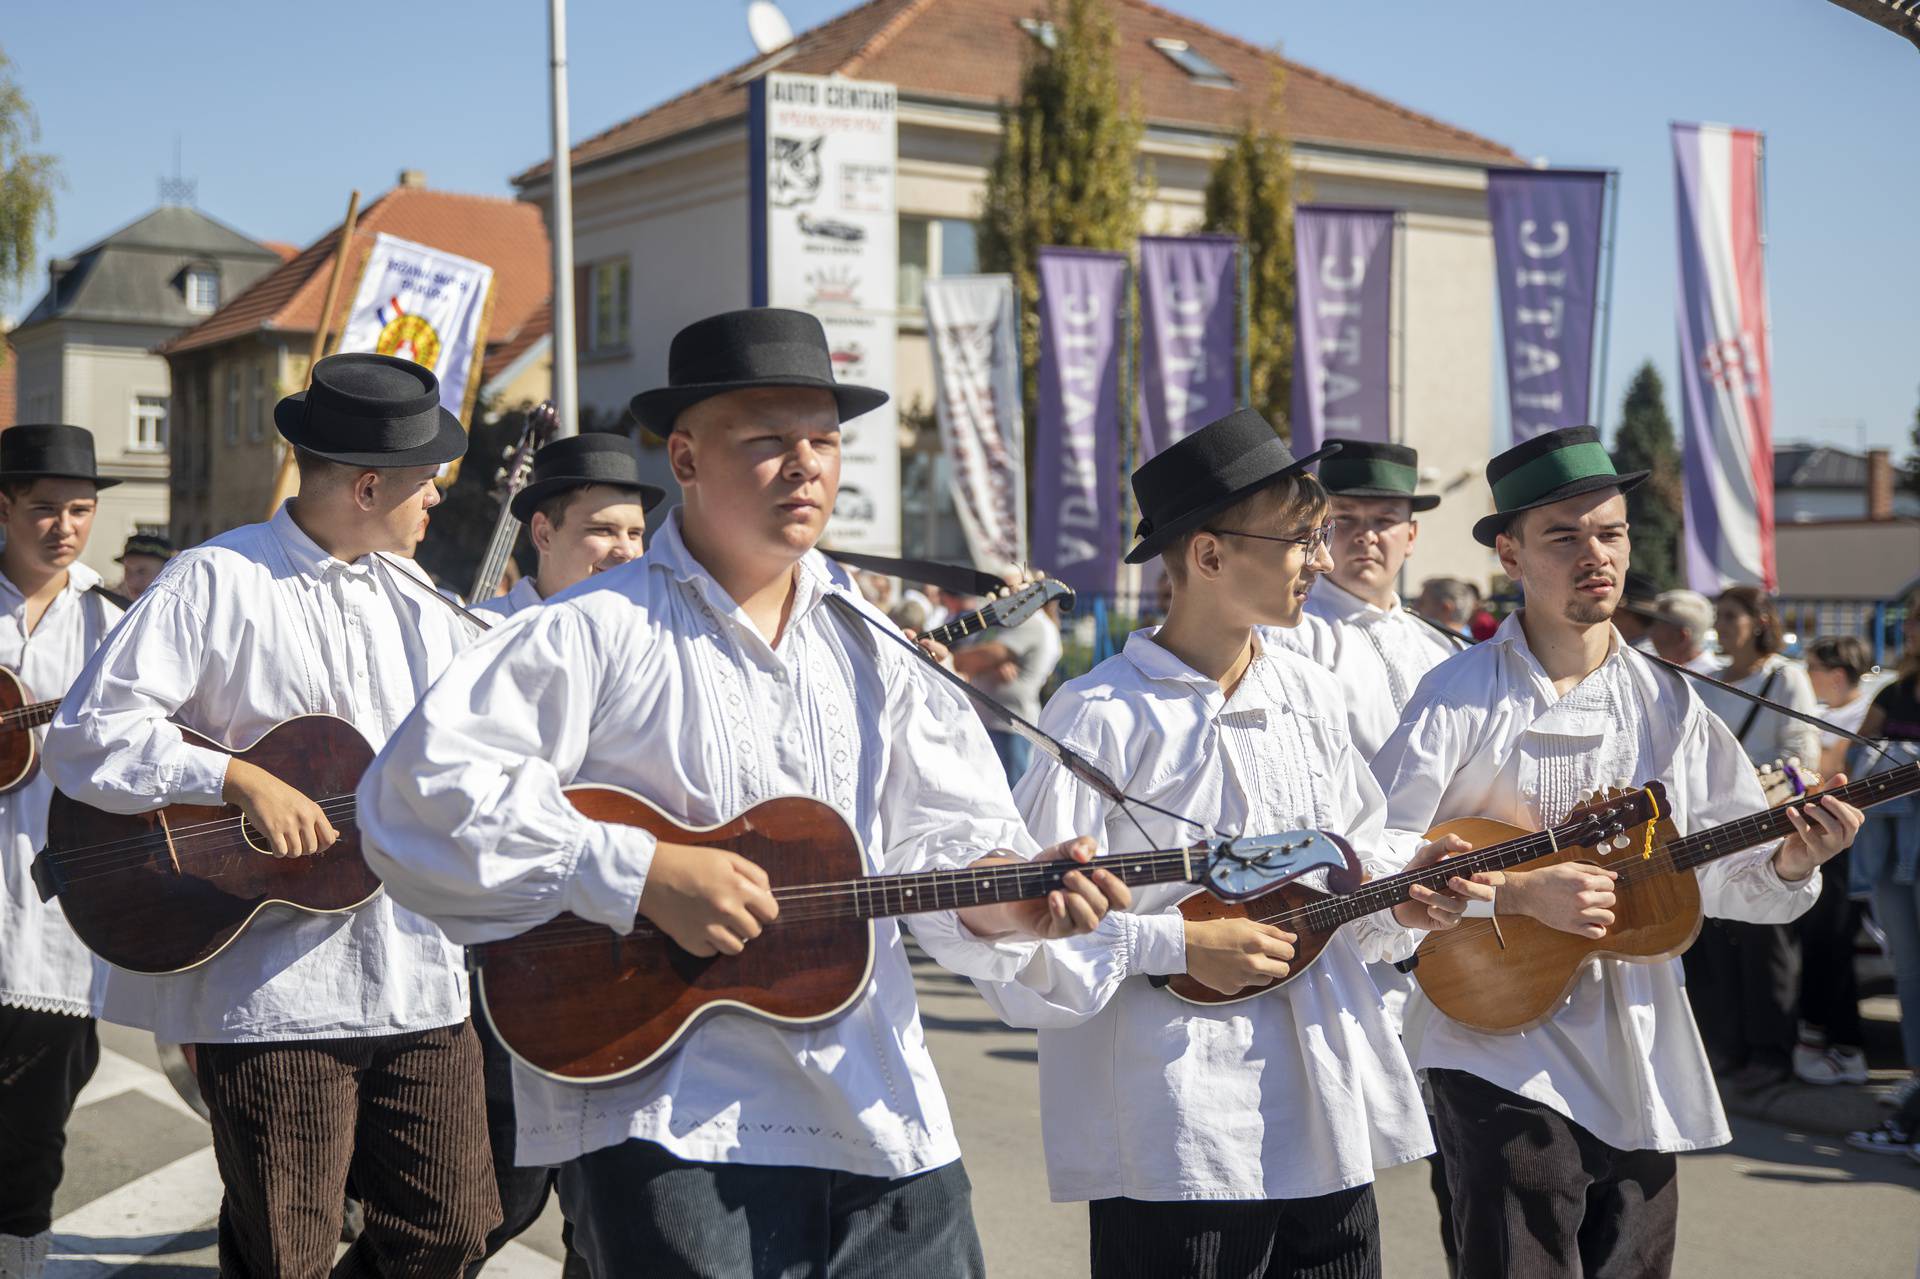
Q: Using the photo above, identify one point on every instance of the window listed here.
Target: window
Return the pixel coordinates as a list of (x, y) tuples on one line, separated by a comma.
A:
[(149, 430), (609, 287), (1042, 30), (203, 290), (257, 409), (233, 406), (1196, 64), (933, 247)]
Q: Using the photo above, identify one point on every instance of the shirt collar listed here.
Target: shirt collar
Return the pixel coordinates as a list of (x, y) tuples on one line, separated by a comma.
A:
[(1153, 662), (1348, 607), (524, 594), (80, 579), (306, 553), (668, 551), (1514, 638)]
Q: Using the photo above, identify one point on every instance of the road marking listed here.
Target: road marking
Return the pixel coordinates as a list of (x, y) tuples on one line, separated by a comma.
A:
[(141, 1218), (117, 1074)]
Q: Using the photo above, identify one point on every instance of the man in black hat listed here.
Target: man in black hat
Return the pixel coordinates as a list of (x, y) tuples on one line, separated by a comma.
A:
[(1243, 1138), (1560, 1143), (323, 1040), (585, 510), (141, 561), (53, 614), (715, 672)]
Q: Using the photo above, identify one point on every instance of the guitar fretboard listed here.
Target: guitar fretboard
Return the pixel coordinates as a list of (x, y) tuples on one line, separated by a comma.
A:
[(32, 715), (1742, 833), (960, 627), (881, 896)]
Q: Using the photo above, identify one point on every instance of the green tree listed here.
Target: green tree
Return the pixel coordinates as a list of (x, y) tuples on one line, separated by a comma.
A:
[(1250, 195), (1067, 170), (27, 181), (1645, 442)]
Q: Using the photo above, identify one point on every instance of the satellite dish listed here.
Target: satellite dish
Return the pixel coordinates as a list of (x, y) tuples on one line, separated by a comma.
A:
[(768, 26)]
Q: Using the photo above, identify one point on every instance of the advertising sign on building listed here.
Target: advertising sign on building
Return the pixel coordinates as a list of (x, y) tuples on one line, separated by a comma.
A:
[(823, 232)]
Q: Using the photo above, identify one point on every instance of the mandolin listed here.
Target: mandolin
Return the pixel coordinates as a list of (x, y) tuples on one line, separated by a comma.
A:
[(1008, 610), (580, 1003), (167, 890), (1314, 916), (1508, 973), (19, 716), (542, 421)]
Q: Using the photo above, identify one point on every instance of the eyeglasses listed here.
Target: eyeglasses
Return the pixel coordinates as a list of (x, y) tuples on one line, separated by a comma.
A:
[(1316, 540)]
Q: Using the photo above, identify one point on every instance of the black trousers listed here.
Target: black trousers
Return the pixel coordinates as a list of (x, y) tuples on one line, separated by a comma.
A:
[(1743, 981), (1334, 1236), (45, 1060), (1535, 1194), (1829, 988)]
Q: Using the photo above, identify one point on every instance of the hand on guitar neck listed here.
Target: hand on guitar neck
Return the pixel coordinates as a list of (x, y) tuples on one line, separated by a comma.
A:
[(294, 825), (1821, 832), (1076, 907)]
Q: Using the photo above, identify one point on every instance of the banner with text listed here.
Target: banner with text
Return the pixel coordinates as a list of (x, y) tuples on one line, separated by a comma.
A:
[(973, 328), (1726, 350), (1547, 229), (1342, 361), (822, 238), (1077, 445), (424, 305), (1189, 335)]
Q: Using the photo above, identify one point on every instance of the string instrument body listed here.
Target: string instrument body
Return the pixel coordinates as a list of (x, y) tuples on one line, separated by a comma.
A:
[(167, 890), (19, 716)]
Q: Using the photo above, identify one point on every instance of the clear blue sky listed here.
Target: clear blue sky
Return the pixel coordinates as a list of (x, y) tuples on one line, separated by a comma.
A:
[(284, 109)]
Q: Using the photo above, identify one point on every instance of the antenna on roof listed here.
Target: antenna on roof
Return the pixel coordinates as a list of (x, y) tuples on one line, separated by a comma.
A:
[(768, 26), (176, 189)]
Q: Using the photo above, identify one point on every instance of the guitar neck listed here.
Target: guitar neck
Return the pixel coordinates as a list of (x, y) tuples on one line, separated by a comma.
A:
[(1743, 833), (882, 896), (32, 715), (960, 627), (486, 580)]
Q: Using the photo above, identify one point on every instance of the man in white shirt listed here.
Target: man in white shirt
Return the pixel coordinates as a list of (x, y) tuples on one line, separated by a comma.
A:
[(323, 1040), (585, 509), (1560, 1140), (1238, 1138), (717, 671), (1683, 620), (53, 614)]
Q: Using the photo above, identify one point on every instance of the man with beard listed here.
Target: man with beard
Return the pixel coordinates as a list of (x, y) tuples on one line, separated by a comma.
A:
[(1560, 1142)]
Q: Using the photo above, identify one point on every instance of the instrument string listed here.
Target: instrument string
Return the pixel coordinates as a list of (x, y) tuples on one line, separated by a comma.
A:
[(338, 810)]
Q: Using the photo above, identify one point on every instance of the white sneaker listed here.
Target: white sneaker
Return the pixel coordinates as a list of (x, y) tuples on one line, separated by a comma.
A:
[(24, 1256), (1829, 1065), (1902, 1092)]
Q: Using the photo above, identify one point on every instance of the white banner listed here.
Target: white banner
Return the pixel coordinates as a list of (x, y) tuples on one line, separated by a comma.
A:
[(974, 330), (825, 241), (423, 305)]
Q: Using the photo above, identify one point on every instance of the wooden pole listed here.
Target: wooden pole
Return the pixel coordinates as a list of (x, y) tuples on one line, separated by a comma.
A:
[(287, 482)]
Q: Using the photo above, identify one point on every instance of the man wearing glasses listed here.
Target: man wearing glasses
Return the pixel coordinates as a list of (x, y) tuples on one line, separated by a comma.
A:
[(1236, 1138)]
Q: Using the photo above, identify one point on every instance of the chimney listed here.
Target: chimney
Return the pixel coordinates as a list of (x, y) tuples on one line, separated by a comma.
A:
[(57, 269), (1879, 484), (415, 178)]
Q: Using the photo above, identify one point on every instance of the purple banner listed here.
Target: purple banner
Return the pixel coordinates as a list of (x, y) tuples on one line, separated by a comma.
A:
[(1547, 227), (1076, 503), (1342, 369), (1189, 331)]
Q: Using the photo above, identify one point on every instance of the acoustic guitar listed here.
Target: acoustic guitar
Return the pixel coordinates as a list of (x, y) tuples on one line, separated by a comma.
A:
[(580, 1003), (1313, 916), (1508, 973), (542, 421), (19, 716), (167, 890)]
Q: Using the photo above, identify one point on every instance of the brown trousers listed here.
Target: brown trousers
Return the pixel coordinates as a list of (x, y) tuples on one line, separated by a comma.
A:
[(405, 1113)]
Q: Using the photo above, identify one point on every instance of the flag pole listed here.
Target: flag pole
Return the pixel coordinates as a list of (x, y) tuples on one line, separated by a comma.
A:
[(1599, 407), (286, 481), (566, 387)]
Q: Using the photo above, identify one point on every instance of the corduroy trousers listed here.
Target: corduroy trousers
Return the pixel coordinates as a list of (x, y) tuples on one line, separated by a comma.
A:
[(405, 1113)]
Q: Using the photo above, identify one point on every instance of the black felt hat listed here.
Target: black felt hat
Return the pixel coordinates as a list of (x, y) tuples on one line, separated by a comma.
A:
[(147, 544), (1196, 478), (596, 457), (1368, 468), (372, 410), (31, 451), (743, 351), (1546, 469)]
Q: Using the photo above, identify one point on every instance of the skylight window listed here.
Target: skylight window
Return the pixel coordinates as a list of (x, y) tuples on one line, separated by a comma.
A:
[(1042, 30), (1196, 64)]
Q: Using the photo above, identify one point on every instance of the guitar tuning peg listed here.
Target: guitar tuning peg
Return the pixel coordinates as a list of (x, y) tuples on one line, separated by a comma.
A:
[(1621, 842)]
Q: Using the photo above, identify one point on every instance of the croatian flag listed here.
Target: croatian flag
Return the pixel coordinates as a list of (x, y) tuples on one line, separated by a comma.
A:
[(1725, 355)]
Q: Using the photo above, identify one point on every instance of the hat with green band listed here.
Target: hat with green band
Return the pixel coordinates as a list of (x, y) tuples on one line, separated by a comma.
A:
[(1364, 468), (1547, 469)]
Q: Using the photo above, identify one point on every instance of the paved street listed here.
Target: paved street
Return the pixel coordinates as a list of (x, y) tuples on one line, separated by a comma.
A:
[(141, 1194)]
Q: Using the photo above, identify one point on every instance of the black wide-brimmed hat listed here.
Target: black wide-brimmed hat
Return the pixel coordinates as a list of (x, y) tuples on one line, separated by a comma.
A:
[(743, 351), (32, 451), (1546, 469), (597, 457), (1196, 478), (147, 544), (1368, 468), (372, 410)]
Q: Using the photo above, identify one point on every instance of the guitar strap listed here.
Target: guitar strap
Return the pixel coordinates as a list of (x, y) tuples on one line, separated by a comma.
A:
[(391, 570), (1746, 725), (114, 598), (959, 578)]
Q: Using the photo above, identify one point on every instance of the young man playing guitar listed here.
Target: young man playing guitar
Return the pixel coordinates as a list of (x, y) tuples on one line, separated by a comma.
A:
[(55, 614), (323, 1040), (586, 511), (1232, 1139), (715, 672), (1559, 1141)]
